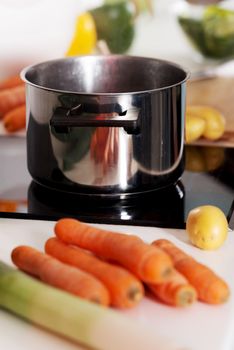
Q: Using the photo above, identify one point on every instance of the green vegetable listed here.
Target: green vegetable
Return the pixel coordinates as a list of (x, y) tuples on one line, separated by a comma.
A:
[(76, 319), (213, 34), (141, 5), (218, 26), (115, 25), (113, 2), (46, 306), (193, 29)]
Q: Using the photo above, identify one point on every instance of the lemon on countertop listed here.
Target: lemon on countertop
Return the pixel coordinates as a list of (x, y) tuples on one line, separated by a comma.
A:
[(194, 128), (207, 227), (214, 120)]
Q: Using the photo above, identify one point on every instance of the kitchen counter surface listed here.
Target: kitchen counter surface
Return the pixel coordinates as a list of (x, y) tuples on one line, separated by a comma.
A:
[(198, 327)]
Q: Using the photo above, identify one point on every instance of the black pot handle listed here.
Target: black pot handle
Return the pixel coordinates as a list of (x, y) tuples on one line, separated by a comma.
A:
[(64, 118)]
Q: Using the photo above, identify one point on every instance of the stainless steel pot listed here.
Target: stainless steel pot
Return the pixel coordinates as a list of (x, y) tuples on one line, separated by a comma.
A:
[(105, 125)]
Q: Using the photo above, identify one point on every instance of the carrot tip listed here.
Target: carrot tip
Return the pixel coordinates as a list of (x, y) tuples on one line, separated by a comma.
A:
[(96, 300), (186, 298), (134, 294), (166, 273)]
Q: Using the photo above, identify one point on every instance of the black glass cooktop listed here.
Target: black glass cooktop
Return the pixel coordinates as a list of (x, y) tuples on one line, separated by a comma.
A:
[(207, 179)]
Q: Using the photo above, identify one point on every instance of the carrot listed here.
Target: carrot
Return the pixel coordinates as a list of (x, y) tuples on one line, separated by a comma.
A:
[(8, 205), (11, 98), (11, 205), (57, 274), (125, 289), (148, 263), (11, 82), (15, 119), (210, 288), (176, 291)]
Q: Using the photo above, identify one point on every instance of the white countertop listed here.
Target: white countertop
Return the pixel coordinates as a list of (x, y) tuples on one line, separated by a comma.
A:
[(199, 327)]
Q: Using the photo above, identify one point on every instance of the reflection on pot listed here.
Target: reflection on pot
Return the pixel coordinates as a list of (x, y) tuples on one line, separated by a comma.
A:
[(203, 159), (99, 156)]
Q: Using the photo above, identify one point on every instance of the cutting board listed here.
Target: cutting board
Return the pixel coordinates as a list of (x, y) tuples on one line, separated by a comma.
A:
[(199, 327), (218, 93)]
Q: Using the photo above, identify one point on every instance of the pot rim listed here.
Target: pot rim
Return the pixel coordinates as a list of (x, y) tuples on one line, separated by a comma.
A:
[(25, 70)]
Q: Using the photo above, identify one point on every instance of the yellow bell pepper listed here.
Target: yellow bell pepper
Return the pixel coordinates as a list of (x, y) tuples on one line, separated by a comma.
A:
[(85, 36)]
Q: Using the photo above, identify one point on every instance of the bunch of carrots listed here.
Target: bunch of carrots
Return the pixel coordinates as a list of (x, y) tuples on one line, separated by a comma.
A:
[(115, 269), (12, 104)]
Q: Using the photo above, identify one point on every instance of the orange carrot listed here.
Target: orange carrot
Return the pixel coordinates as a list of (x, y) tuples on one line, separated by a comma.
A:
[(176, 291), (11, 98), (210, 288), (11, 205), (125, 289), (11, 82), (15, 119), (8, 205), (57, 274), (148, 263)]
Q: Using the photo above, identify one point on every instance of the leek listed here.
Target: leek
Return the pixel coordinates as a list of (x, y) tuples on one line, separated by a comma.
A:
[(76, 319)]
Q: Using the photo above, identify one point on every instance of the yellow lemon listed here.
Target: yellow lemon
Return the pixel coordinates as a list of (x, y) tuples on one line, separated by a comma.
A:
[(85, 36), (194, 128), (214, 120), (207, 227)]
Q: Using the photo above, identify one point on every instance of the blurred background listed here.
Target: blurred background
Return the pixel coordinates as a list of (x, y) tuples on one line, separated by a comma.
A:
[(194, 33), (197, 34)]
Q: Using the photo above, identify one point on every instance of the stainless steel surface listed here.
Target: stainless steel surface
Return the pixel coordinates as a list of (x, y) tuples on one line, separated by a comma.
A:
[(109, 74), (132, 114)]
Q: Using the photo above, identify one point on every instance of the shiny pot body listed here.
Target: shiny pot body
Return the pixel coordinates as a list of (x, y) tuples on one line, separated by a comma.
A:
[(105, 125)]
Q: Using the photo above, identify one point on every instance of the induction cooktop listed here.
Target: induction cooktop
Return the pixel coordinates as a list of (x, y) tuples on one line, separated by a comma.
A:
[(208, 179)]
